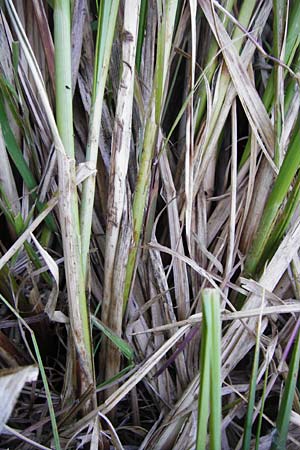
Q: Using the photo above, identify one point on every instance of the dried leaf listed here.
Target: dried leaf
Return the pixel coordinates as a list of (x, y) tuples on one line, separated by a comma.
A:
[(11, 383)]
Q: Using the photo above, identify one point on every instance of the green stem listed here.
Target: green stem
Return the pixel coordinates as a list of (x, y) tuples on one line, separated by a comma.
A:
[(105, 34), (79, 316), (282, 184)]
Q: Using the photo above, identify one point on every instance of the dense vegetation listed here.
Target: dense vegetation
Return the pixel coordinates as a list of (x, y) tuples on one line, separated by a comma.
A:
[(149, 196)]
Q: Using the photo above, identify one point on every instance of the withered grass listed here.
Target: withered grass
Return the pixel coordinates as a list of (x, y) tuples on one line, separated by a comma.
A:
[(149, 158)]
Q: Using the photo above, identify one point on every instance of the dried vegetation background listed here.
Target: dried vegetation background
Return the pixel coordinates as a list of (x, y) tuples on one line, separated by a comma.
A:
[(140, 164)]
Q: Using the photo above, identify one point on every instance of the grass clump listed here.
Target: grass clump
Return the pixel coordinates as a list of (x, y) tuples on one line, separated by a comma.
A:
[(149, 191)]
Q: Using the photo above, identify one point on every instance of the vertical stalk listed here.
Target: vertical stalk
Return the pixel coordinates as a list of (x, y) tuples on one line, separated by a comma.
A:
[(278, 32), (114, 269), (105, 34), (68, 200), (139, 202), (63, 80), (209, 402), (166, 25)]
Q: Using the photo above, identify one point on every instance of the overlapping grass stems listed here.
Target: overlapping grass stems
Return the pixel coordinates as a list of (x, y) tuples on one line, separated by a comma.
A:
[(174, 176), (68, 199)]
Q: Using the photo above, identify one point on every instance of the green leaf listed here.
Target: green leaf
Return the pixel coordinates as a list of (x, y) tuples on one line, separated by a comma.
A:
[(124, 348), (286, 404), (209, 404)]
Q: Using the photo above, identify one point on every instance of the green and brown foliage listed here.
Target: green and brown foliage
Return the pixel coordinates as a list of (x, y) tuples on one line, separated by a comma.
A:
[(150, 232)]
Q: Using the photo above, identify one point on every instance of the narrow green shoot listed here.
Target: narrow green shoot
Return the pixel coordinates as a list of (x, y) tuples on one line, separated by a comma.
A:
[(209, 404), (252, 390), (282, 223), (122, 345), (260, 417), (286, 404), (204, 387), (215, 373), (139, 203), (116, 377)]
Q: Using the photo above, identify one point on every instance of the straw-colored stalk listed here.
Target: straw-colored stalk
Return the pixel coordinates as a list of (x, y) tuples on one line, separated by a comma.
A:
[(115, 259), (166, 24), (68, 199), (106, 27)]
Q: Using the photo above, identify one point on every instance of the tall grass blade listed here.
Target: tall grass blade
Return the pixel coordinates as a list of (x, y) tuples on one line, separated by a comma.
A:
[(209, 403), (215, 373), (286, 404), (252, 389), (286, 174), (105, 34)]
